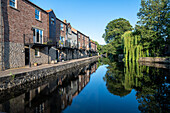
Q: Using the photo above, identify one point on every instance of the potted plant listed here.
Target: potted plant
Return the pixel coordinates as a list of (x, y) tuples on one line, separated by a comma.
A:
[(35, 64)]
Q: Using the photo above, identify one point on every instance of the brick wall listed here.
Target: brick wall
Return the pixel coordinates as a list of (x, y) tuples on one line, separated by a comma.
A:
[(20, 20), (93, 46), (60, 32), (80, 39), (17, 22), (87, 42)]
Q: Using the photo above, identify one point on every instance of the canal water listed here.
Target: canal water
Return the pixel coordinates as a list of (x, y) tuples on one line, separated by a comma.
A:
[(101, 87)]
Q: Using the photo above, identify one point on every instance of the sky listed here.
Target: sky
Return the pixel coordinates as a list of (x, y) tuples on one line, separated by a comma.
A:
[(91, 16)]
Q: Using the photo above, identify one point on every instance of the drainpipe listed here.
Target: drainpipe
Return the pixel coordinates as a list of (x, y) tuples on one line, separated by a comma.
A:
[(1, 31)]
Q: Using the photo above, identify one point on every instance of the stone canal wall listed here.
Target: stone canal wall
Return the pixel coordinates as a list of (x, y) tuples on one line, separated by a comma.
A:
[(154, 59), (156, 65), (13, 80)]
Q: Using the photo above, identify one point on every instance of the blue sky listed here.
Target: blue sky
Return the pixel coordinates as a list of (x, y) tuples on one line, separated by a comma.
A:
[(91, 16)]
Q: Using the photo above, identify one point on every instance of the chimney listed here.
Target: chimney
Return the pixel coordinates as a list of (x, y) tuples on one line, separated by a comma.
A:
[(65, 21)]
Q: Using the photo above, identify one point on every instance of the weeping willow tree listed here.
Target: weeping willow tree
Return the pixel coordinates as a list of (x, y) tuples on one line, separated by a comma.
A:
[(133, 50)]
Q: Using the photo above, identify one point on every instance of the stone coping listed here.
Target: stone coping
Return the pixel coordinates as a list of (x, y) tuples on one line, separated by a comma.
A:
[(154, 59)]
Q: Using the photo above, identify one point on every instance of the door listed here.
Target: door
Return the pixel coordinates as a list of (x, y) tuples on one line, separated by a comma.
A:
[(57, 55), (26, 56)]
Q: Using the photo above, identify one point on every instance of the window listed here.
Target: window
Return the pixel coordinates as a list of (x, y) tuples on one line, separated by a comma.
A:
[(87, 46), (12, 3), (83, 38), (37, 52), (79, 44), (79, 35), (37, 36), (62, 39), (37, 14), (52, 20), (62, 27), (69, 30)]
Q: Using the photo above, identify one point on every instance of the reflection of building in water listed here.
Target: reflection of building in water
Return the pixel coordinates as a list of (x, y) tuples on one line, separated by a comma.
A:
[(50, 97)]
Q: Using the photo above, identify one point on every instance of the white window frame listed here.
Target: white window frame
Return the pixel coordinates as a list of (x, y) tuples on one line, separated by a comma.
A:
[(41, 41), (38, 52), (69, 30), (79, 44), (14, 2), (52, 20), (78, 35), (87, 46), (39, 14)]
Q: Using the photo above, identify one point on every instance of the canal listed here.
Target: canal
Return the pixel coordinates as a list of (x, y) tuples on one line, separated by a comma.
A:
[(101, 87)]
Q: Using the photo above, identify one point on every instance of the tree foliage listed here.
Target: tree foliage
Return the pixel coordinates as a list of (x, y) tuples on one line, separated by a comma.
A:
[(115, 29), (149, 36), (113, 32), (154, 25)]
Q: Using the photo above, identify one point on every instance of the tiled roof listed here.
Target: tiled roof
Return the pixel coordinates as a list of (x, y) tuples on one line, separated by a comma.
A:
[(74, 30), (49, 10)]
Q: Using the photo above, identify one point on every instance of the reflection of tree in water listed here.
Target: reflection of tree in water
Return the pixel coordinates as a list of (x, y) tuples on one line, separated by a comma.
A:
[(154, 96), (115, 79), (151, 84)]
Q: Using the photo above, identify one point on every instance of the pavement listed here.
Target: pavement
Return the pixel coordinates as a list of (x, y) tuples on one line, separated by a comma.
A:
[(20, 70)]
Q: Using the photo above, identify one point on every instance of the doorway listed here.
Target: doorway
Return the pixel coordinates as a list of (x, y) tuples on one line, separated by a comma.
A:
[(26, 56)]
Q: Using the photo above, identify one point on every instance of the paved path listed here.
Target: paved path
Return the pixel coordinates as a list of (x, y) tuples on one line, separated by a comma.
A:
[(28, 69)]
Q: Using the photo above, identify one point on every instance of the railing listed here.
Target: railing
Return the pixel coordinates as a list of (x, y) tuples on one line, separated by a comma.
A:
[(84, 47), (30, 39), (67, 44), (61, 43), (74, 45)]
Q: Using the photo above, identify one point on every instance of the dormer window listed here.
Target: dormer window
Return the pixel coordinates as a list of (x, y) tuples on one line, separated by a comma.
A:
[(37, 14), (52, 20), (12, 3)]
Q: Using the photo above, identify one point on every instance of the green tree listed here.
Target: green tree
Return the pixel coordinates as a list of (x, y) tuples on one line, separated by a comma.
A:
[(154, 25), (113, 32), (115, 29)]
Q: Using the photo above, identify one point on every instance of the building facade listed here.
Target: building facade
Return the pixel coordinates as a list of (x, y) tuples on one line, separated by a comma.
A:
[(25, 25), (32, 35), (93, 48)]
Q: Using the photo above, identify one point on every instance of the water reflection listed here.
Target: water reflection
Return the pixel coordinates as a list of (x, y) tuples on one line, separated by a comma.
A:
[(152, 85), (53, 95)]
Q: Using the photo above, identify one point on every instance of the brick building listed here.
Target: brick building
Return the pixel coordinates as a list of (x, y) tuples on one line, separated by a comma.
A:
[(52, 34), (25, 24), (83, 44), (61, 38), (31, 35), (93, 48)]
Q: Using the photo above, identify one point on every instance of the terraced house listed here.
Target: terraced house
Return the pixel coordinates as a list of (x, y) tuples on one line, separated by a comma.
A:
[(31, 35), (83, 45), (93, 48), (25, 34)]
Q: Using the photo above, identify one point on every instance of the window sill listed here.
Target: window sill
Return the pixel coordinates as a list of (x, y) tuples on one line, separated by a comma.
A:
[(38, 20), (14, 8)]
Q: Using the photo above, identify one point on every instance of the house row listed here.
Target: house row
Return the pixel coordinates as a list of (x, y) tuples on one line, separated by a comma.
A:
[(30, 34)]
